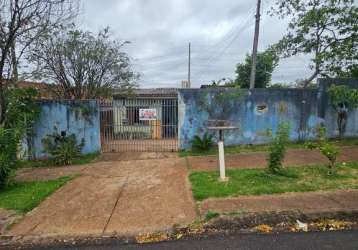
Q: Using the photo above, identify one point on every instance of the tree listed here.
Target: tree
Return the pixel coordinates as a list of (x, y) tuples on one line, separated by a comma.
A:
[(351, 72), (223, 82), (267, 61), (22, 22), (328, 149), (83, 65), (343, 99), (325, 29)]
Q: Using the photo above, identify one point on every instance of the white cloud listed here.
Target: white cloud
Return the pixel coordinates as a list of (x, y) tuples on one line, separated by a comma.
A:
[(221, 33)]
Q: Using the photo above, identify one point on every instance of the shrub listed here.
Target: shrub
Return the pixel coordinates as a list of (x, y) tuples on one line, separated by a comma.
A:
[(21, 112), (8, 147), (62, 148), (329, 150), (277, 148), (22, 109), (202, 144)]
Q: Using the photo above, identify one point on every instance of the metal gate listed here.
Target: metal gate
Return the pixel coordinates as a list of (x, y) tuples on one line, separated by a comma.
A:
[(145, 125)]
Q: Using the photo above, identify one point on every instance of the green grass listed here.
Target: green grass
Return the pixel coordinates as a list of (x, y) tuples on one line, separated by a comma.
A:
[(84, 159), (259, 181), (24, 196), (260, 148), (211, 215)]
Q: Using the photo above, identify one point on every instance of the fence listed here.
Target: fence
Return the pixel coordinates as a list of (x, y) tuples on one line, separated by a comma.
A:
[(139, 125)]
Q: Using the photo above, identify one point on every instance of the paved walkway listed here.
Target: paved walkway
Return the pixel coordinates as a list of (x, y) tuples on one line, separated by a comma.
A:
[(294, 157), (343, 200), (124, 198)]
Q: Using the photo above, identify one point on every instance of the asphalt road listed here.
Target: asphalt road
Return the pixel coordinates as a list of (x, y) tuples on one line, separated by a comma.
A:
[(315, 240)]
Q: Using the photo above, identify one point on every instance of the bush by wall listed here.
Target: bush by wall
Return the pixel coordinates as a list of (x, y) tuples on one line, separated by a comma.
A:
[(62, 148), (21, 112), (8, 147), (277, 148), (202, 143)]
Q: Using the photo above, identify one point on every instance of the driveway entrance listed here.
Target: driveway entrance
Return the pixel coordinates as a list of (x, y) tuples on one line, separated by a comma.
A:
[(124, 198)]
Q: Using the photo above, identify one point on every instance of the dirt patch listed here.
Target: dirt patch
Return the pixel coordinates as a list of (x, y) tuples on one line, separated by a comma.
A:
[(130, 156), (304, 202), (44, 174), (294, 157)]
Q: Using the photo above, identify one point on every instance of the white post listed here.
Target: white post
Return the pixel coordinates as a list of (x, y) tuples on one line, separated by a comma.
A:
[(222, 161)]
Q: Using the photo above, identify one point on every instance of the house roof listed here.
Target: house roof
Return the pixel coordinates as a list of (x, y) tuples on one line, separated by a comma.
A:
[(42, 88), (150, 93)]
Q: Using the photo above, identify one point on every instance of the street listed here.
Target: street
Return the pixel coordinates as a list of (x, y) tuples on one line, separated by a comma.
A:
[(313, 240)]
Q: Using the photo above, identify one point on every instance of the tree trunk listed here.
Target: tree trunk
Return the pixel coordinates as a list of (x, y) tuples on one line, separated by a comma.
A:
[(14, 64), (2, 102), (342, 121), (332, 167)]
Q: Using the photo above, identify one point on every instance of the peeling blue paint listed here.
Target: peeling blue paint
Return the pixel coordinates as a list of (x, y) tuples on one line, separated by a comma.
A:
[(304, 110), (60, 115)]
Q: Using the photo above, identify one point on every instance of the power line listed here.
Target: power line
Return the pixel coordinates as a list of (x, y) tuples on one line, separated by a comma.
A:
[(240, 30), (224, 44), (246, 25), (221, 42)]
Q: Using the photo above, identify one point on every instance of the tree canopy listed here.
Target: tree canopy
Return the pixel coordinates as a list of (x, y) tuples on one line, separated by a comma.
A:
[(83, 65), (325, 29), (267, 61), (22, 23)]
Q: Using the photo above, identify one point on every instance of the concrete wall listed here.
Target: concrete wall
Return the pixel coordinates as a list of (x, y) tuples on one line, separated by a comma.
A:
[(257, 111), (79, 118)]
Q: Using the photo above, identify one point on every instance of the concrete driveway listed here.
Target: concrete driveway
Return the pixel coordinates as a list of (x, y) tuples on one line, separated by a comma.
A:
[(118, 197)]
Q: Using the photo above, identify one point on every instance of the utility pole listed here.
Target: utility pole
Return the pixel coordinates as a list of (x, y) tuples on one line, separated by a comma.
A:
[(189, 66), (256, 43)]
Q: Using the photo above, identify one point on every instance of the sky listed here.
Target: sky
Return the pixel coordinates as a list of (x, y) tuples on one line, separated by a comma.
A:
[(220, 33)]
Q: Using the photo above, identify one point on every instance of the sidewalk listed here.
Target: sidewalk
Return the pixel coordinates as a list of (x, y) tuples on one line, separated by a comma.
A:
[(294, 157), (314, 202)]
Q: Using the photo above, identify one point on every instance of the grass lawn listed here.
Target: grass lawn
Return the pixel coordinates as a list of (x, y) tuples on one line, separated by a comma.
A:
[(84, 159), (257, 148), (259, 181), (24, 196)]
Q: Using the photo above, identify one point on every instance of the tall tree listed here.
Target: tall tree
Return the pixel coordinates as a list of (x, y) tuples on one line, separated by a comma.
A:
[(267, 61), (325, 29), (351, 72), (22, 22), (83, 65)]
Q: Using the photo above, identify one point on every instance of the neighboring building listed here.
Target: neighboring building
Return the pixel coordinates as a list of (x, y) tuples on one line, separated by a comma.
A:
[(42, 88)]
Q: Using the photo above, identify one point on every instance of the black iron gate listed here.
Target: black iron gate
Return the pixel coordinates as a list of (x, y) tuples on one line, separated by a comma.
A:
[(147, 125)]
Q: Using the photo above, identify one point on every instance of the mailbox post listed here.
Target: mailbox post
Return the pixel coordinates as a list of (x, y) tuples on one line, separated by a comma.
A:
[(221, 127)]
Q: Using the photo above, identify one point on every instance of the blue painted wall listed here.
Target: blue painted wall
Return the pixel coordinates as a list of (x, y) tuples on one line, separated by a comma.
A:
[(257, 111), (66, 116)]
